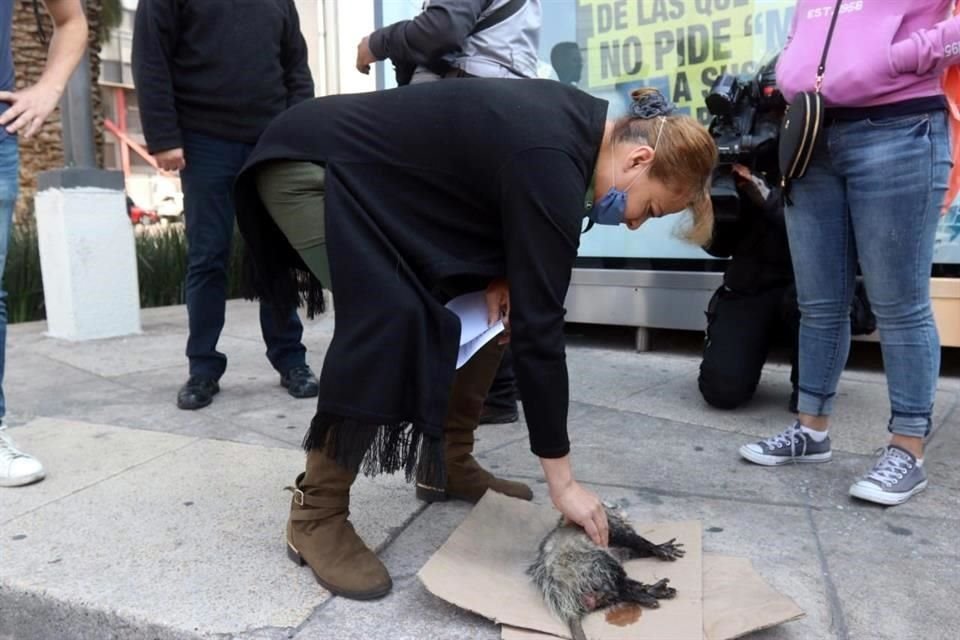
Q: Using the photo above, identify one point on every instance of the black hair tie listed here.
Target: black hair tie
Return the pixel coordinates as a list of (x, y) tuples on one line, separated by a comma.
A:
[(651, 105)]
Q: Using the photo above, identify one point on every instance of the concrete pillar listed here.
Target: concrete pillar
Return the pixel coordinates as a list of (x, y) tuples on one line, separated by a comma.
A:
[(87, 255)]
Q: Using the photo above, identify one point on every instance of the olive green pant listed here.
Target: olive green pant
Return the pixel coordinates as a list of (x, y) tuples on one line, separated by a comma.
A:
[(293, 193)]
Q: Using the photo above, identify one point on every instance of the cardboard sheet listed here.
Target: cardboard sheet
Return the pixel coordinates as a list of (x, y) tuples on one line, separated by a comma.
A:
[(481, 568), (736, 602)]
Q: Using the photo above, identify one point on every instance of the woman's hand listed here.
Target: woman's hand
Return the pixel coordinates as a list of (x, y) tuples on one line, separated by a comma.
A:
[(497, 296), (578, 505)]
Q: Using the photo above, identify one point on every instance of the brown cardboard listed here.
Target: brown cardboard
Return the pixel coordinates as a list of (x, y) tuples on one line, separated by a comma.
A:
[(736, 602), (482, 566)]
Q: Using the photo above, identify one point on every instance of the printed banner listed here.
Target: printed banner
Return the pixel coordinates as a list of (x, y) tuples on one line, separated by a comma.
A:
[(678, 46)]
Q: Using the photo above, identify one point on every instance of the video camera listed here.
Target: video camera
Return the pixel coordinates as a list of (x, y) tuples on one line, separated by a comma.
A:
[(745, 124)]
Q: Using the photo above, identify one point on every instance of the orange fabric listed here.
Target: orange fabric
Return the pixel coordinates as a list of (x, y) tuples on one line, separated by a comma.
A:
[(951, 88)]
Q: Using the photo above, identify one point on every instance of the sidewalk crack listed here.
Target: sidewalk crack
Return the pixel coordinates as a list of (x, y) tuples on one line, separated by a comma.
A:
[(838, 618)]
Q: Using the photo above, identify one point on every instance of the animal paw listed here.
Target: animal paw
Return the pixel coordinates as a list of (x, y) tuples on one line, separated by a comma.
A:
[(660, 590), (668, 550)]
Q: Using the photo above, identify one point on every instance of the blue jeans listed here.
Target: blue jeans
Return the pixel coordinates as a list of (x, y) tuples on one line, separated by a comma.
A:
[(9, 181), (212, 165), (872, 195)]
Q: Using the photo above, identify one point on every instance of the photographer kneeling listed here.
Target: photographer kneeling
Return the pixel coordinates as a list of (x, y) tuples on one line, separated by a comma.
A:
[(756, 307)]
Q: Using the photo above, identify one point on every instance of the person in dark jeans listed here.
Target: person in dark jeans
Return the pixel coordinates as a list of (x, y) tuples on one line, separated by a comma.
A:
[(210, 75), (756, 307)]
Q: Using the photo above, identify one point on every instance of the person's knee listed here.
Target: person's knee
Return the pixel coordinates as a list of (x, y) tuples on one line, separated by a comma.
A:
[(209, 256), (896, 315), (725, 390), (825, 314)]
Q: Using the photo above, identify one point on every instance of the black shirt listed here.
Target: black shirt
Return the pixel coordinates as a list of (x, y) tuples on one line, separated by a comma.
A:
[(221, 67), (427, 185)]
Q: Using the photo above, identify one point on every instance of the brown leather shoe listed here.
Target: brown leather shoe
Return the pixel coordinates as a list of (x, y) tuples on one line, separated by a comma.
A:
[(466, 479), (320, 535)]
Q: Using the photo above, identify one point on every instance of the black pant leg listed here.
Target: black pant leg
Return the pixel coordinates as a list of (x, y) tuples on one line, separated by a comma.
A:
[(739, 332)]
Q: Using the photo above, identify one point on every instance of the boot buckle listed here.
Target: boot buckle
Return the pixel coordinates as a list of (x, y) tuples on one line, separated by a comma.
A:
[(298, 497)]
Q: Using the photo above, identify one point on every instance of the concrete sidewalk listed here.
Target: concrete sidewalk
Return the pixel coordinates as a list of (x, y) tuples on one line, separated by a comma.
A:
[(159, 523)]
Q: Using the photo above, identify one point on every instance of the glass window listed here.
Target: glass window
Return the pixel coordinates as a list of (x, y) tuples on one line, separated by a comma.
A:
[(611, 47)]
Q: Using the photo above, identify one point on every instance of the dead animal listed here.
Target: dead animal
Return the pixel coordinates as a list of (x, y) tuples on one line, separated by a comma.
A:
[(576, 576)]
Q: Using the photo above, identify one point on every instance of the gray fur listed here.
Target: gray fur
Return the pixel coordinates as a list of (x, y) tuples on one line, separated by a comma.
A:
[(575, 576)]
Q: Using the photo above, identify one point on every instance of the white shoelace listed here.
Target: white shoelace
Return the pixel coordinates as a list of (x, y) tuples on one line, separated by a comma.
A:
[(890, 468), (789, 438), (8, 452)]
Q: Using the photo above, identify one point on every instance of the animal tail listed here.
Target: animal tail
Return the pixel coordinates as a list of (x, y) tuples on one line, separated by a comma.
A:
[(576, 629)]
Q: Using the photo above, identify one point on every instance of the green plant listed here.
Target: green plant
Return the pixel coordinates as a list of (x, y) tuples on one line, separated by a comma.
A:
[(111, 16), (161, 270), (21, 277), (162, 267)]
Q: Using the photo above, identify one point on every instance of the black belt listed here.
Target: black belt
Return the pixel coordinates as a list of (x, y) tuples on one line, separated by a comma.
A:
[(909, 107)]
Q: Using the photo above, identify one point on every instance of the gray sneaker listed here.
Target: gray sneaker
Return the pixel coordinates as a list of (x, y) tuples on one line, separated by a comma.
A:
[(894, 479), (793, 445)]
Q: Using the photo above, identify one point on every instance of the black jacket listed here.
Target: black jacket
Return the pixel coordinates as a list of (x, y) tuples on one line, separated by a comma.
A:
[(490, 185), (221, 67)]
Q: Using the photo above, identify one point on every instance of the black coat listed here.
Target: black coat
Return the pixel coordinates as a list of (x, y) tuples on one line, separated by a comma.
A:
[(430, 188)]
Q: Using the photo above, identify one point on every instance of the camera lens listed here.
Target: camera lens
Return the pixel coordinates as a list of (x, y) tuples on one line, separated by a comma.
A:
[(723, 95)]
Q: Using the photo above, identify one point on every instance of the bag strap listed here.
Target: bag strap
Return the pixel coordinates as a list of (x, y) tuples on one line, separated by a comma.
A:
[(503, 13), (826, 47)]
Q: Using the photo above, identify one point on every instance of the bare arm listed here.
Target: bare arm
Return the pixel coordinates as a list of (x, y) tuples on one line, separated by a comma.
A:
[(31, 106), (577, 504)]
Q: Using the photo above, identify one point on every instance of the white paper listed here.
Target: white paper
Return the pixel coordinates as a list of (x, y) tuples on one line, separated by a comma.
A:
[(471, 308)]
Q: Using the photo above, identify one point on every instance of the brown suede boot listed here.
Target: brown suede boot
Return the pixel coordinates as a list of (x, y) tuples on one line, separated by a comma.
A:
[(319, 534), (466, 479)]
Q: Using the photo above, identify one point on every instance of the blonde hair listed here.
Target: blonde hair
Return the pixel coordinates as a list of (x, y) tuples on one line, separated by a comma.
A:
[(685, 156)]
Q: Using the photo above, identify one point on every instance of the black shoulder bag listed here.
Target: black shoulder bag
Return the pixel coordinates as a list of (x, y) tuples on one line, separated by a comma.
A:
[(405, 71), (803, 122)]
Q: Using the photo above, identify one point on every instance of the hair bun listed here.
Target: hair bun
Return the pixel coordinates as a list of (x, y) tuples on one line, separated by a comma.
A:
[(649, 103)]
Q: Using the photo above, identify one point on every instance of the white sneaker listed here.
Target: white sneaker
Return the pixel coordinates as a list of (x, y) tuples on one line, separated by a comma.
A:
[(16, 467)]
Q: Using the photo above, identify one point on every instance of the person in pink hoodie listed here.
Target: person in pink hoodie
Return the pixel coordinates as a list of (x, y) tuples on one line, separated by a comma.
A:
[(871, 197)]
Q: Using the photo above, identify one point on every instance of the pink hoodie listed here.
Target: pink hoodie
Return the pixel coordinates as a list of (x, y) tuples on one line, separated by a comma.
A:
[(883, 51)]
